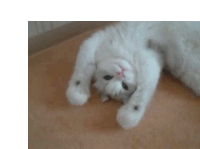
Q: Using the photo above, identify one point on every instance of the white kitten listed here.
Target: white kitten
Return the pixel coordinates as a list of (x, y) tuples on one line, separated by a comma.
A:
[(127, 59)]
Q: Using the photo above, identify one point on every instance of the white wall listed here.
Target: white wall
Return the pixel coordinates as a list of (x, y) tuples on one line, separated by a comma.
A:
[(38, 27), (49, 33)]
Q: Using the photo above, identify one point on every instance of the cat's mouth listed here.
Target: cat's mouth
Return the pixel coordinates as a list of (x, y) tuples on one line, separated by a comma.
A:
[(121, 73), (111, 96)]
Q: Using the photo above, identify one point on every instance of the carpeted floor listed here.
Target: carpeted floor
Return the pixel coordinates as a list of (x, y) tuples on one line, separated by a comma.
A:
[(172, 120)]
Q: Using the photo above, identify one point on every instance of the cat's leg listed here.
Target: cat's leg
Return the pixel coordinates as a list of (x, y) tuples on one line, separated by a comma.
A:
[(191, 75), (131, 113), (78, 91), (185, 65)]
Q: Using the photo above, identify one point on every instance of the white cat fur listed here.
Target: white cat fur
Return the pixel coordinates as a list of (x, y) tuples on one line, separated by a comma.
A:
[(142, 49)]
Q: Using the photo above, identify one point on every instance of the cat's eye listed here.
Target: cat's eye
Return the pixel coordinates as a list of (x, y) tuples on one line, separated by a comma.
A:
[(108, 77), (124, 86)]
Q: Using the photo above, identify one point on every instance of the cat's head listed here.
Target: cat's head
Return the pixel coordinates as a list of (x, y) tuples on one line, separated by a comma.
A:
[(115, 78)]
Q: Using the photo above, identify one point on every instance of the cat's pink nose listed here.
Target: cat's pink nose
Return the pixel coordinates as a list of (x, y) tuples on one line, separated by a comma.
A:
[(123, 69), (121, 74)]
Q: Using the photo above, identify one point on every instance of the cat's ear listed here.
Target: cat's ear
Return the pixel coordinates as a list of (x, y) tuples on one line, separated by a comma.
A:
[(134, 90)]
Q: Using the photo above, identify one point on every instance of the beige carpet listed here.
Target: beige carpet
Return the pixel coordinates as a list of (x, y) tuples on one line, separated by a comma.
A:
[(172, 120)]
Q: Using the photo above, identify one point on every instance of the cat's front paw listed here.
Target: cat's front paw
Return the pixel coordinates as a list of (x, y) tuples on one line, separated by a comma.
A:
[(77, 96), (129, 116)]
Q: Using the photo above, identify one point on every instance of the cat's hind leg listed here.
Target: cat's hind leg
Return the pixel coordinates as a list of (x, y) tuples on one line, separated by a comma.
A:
[(191, 75)]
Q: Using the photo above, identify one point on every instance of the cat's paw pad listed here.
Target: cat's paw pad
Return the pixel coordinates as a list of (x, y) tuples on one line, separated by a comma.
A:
[(129, 117), (77, 96)]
